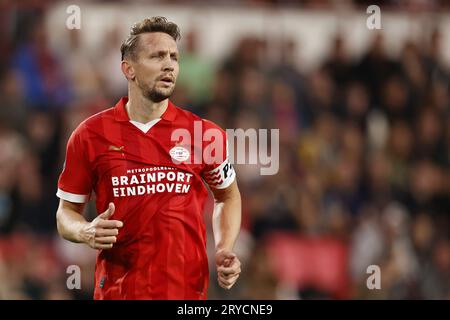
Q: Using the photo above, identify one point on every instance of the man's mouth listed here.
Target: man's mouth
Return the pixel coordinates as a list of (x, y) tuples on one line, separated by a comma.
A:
[(167, 79)]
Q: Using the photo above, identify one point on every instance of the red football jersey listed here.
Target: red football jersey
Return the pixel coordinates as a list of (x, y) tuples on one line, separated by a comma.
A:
[(156, 180)]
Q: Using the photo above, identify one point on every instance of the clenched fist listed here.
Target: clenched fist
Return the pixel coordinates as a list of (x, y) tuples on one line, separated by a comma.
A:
[(228, 268), (101, 232)]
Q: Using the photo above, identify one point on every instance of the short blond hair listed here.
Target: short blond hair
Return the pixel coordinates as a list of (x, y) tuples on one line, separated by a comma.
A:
[(154, 24)]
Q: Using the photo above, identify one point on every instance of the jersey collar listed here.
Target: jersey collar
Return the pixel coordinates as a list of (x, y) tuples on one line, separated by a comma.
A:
[(120, 112)]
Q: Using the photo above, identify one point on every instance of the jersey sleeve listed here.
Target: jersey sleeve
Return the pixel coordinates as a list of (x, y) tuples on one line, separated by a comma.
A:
[(218, 172), (75, 180)]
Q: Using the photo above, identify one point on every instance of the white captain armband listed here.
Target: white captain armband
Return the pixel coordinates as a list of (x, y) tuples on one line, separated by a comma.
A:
[(220, 177)]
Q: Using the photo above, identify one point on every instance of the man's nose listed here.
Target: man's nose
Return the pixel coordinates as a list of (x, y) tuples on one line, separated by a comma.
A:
[(168, 64), (168, 67)]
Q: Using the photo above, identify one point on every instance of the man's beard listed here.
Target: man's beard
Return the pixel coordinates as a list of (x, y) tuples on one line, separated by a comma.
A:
[(157, 95)]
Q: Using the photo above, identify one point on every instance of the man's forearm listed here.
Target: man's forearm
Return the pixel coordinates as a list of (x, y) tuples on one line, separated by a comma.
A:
[(100, 233), (227, 219), (70, 223)]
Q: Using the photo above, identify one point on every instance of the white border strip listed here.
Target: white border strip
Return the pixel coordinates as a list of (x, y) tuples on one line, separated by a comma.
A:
[(72, 197)]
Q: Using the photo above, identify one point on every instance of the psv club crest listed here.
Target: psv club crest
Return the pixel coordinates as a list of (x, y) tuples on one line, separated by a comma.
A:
[(179, 154)]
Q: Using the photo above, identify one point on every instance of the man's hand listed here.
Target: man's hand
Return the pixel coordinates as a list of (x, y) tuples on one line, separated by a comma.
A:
[(228, 268), (101, 233)]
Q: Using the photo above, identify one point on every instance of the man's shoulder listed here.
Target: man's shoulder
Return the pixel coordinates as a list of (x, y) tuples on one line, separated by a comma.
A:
[(96, 121), (184, 114), (190, 117)]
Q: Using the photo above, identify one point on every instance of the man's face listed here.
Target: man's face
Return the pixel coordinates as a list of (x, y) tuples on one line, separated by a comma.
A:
[(156, 65)]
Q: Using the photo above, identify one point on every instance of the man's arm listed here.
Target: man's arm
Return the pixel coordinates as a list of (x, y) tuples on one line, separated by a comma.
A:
[(226, 225), (100, 233)]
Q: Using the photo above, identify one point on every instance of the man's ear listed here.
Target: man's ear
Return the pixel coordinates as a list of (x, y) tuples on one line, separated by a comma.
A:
[(127, 70)]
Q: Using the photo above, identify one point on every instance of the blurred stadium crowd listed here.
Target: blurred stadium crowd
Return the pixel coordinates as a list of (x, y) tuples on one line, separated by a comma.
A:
[(364, 173)]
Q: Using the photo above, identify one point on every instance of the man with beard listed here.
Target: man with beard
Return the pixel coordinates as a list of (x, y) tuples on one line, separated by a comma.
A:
[(149, 183)]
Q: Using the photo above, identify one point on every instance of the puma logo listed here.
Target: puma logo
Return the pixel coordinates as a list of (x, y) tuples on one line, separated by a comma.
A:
[(114, 148)]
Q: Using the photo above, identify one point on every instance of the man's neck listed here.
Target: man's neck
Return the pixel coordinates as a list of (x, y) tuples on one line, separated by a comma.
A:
[(143, 110)]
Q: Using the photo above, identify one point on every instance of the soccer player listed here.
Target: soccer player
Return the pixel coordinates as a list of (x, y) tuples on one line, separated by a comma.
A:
[(149, 179)]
